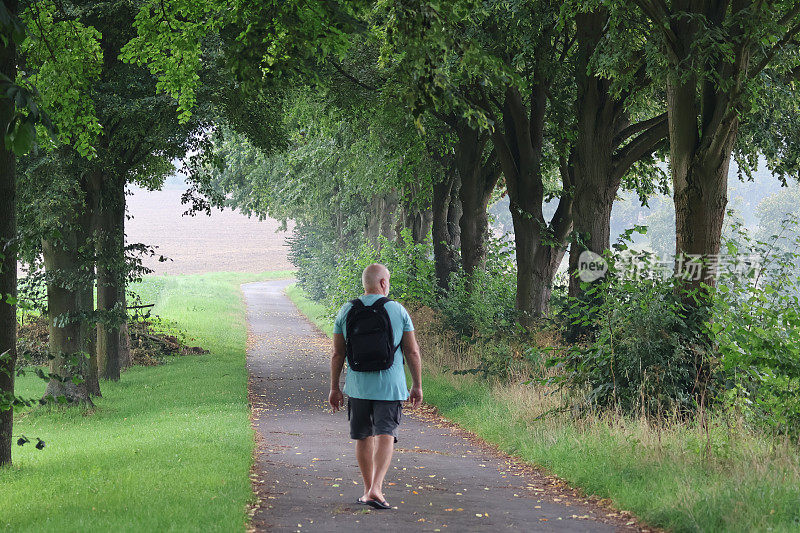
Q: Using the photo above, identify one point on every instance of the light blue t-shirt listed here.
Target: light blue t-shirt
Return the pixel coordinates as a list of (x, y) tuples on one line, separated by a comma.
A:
[(389, 384)]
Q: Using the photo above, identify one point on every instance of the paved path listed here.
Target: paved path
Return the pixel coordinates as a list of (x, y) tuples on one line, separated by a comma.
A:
[(441, 479)]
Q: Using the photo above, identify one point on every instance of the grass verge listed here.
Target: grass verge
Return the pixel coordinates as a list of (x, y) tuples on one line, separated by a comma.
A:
[(167, 448), (314, 311), (676, 477)]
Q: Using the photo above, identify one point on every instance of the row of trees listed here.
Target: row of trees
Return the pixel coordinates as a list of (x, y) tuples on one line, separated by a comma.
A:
[(562, 104), (102, 126), (358, 119), (559, 106)]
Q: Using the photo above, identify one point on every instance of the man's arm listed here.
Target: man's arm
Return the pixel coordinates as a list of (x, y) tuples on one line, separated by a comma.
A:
[(411, 353), (335, 398)]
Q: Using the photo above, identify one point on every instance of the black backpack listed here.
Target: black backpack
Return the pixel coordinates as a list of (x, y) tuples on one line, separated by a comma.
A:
[(370, 342)]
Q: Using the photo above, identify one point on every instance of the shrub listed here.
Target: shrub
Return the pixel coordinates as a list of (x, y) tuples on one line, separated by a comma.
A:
[(483, 304), (346, 280), (646, 353), (757, 328), (311, 251), (410, 264), (413, 272)]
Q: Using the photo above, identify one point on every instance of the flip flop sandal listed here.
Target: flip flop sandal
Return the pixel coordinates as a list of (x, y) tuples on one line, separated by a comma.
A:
[(362, 502), (376, 504)]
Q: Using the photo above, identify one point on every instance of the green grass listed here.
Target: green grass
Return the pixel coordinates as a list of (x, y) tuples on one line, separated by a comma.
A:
[(168, 448), (669, 478), (315, 311), (741, 487)]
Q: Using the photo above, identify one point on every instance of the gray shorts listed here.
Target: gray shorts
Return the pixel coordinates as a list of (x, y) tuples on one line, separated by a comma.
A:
[(373, 417)]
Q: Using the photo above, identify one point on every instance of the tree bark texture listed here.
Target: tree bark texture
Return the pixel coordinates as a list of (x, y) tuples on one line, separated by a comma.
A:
[(700, 183), (86, 224), (8, 253), (389, 214), (372, 227), (66, 330), (416, 217), (478, 177), (600, 160), (445, 254), (111, 271), (540, 245), (454, 213), (703, 124)]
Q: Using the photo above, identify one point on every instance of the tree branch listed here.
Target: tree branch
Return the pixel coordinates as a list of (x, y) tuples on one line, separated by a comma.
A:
[(483, 101), (568, 42), (350, 77), (506, 158), (633, 129), (519, 116), (659, 14), (644, 144), (448, 119), (641, 79), (788, 36), (566, 170), (561, 223), (726, 119), (490, 172)]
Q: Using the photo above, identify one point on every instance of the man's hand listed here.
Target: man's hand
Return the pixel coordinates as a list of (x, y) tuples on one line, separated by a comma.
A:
[(415, 396), (336, 399)]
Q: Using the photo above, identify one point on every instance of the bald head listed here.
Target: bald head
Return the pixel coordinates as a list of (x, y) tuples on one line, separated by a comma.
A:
[(375, 279)]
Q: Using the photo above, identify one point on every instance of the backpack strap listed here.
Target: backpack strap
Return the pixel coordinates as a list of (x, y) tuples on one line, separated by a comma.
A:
[(380, 302)]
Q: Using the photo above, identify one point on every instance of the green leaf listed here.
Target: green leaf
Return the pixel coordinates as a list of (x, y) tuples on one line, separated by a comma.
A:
[(21, 140)]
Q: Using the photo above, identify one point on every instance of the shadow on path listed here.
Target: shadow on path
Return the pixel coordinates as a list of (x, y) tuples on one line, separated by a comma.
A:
[(441, 479)]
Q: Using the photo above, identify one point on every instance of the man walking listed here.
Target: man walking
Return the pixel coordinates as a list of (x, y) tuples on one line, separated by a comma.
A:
[(375, 334)]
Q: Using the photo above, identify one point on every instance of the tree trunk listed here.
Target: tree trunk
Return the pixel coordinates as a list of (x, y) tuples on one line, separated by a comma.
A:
[(415, 217), (591, 215), (86, 224), (8, 255), (454, 213), (418, 222), (425, 225), (599, 117), (111, 269), (372, 227), (478, 179), (8, 287), (125, 360), (539, 246), (700, 197), (599, 161), (443, 253), (699, 166), (539, 252), (592, 227), (703, 124), (92, 375), (66, 329), (474, 232), (388, 215)]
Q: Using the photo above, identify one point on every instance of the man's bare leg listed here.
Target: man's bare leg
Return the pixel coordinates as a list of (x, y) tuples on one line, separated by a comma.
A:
[(382, 459), (364, 455)]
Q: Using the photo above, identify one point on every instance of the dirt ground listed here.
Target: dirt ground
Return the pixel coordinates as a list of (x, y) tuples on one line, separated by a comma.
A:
[(224, 241)]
